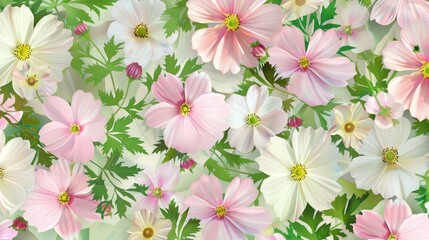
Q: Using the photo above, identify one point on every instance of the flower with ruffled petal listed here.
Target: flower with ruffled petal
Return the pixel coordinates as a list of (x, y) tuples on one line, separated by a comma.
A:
[(194, 118), (384, 12), (399, 223), (74, 128), (146, 226), (32, 80), (389, 161), (236, 24), (21, 42), (386, 109), (312, 71), (303, 171), (228, 217), (60, 200), (6, 230), (138, 24), (298, 8), (254, 119)]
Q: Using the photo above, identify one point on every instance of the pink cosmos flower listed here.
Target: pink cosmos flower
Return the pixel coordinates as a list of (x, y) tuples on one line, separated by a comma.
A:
[(399, 223), (74, 128), (237, 23), (60, 199), (11, 114), (194, 118), (411, 53), (385, 108), (229, 217), (384, 12), (352, 19), (6, 232), (161, 182), (313, 71)]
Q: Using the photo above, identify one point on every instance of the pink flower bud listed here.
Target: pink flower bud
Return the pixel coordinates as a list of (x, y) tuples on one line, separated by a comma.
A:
[(108, 209), (259, 51), (294, 122), (134, 70), (80, 29), (19, 224), (188, 164)]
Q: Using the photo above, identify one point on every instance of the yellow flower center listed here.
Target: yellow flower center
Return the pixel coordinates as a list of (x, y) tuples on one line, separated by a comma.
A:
[(157, 192), (390, 156), (392, 237), (349, 127), (141, 31), (231, 22), (22, 52), (384, 111), (75, 128), (304, 63), (185, 109), (300, 2), (148, 232), (298, 172), (1, 173), (347, 30), (425, 69), (31, 80), (221, 211), (63, 198), (253, 120)]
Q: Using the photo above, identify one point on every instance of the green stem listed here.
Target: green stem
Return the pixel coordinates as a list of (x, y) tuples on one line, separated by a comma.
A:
[(38, 97), (125, 97)]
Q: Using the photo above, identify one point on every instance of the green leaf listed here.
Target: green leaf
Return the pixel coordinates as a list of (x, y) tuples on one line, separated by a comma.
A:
[(344, 49), (271, 75), (151, 79), (133, 107), (110, 99), (214, 168), (121, 206), (99, 189), (421, 127), (176, 18), (190, 67), (97, 74), (75, 15), (328, 13), (124, 172), (365, 3), (171, 213), (233, 160), (171, 65), (376, 67), (111, 49), (190, 229)]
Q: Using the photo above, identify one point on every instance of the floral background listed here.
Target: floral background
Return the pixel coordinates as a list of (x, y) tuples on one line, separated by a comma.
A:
[(214, 119)]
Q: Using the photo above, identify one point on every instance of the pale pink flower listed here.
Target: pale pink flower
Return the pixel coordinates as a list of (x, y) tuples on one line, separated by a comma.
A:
[(385, 108), (11, 114), (6, 230), (228, 217), (411, 53), (237, 23), (384, 12), (312, 71), (194, 118), (74, 128), (161, 182), (352, 19), (398, 223), (60, 200), (275, 236), (32, 80)]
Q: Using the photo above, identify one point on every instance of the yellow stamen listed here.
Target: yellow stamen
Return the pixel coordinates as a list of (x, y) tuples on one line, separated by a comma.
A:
[(300, 2), (390, 156), (32, 80), (349, 127), (304, 63), (1, 173), (221, 211), (298, 172), (75, 128), (64, 198), (157, 192), (232, 22), (253, 120), (185, 109), (22, 52), (425, 69), (148, 232), (141, 31)]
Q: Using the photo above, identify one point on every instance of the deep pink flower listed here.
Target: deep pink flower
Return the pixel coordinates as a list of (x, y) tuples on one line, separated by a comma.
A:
[(229, 217), (259, 51), (188, 164), (134, 70), (194, 118), (312, 71), (384, 12), (20, 224), (294, 122), (237, 23), (80, 29), (6, 231), (60, 199), (411, 53), (11, 114), (399, 223), (161, 182), (74, 128)]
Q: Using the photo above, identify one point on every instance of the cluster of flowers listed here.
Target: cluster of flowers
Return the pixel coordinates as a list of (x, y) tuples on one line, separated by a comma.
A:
[(301, 164)]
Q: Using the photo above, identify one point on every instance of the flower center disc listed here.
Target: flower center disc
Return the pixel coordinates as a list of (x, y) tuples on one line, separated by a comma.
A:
[(1, 173), (157, 192), (304, 63), (185, 109), (347, 30), (392, 237), (390, 156), (385, 112), (141, 31), (231, 22), (63, 198), (148, 232), (253, 120), (425, 69), (221, 211), (299, 2), (349, 127), (74, 128), (298, 172), (31, 80), (22, 52)]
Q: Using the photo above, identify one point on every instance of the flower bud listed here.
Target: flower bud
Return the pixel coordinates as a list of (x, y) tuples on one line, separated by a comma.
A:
[(188, 164), (80, 29), (134, 70), (259, 51), (19, 224), (294, 122)]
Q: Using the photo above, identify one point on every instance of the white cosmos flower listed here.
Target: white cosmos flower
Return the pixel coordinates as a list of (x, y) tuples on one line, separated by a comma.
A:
[(391, 161), (254, 119), (21, 42), (30, 80), (139, 25), (352, 123), (16, 173), (146, 226), (303, 171), (298, 8)]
